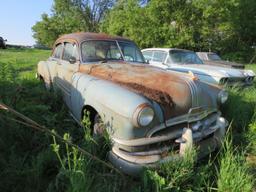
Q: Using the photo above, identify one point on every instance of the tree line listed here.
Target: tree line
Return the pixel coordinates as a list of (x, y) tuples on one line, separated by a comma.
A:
[(224, 26)]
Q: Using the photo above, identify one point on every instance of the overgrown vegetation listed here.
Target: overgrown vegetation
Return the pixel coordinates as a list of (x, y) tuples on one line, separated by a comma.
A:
[(226, 27), (33, 161)]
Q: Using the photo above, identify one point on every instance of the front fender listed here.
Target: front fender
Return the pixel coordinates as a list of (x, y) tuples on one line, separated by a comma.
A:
[(115, 104)]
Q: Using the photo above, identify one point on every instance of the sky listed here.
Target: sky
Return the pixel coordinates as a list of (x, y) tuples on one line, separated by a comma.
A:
[(18, 16)]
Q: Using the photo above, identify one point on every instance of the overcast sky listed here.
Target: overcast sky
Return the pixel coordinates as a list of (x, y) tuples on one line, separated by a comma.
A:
[(18, 16)]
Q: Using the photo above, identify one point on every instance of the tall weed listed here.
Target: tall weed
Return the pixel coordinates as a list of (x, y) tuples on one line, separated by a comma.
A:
[(233, 174)]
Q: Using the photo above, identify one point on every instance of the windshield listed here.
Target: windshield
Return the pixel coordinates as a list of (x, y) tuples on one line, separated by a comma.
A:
[(183, 57), (101, 50), (214, 57)]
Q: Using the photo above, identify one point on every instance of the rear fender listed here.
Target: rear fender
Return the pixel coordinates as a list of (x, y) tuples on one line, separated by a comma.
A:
[(43, 71)]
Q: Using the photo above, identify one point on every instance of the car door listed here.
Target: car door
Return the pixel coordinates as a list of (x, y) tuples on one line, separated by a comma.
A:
[(158, 59), (68, 65), (53, 63)]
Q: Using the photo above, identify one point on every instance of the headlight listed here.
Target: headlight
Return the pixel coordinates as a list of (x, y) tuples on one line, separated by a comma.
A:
[(249, 73), (223, 80), (143, 115), (249, 79), (222, 96)]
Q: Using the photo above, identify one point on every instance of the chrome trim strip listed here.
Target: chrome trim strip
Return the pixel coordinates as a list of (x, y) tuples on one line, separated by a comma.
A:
[(150, 140), (187, 118)]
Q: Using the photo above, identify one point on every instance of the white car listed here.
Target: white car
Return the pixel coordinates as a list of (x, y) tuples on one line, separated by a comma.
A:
[(188, 62)]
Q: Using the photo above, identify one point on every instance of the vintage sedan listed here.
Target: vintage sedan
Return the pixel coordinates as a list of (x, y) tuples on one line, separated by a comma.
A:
[(187, 61), (211, 58), (151, 115)]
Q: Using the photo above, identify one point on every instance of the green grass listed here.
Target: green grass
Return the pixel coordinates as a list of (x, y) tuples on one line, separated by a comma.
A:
[(24, 60), (233, 174), (32, 161)]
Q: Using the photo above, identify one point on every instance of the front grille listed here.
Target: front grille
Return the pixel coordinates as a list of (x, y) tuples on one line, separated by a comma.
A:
[(171, 145), (204, 123), (236, 80)]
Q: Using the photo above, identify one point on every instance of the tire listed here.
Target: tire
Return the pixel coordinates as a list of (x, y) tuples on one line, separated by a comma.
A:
[(98, 143)]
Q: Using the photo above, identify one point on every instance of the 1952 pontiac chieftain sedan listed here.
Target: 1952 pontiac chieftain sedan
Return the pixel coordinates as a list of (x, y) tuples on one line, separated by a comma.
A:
[(183, 61), (151, 115)]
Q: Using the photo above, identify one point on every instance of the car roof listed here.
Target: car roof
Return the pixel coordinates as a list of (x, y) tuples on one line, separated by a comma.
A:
[(83, 36), (165, 49)]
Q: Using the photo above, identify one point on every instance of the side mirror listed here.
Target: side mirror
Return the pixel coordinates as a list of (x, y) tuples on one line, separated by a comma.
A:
[(147, 61), (72, 60)]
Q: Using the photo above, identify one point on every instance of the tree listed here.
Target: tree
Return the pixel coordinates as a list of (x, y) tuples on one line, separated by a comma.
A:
[(219, 25), (165, 23), (70, 16)]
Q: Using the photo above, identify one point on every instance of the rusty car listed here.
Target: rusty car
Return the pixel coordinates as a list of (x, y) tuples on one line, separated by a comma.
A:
[(151, 115), (185, 61), (211, 58)]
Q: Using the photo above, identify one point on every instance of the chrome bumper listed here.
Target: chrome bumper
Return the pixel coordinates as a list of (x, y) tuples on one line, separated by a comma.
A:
[(132, 163)]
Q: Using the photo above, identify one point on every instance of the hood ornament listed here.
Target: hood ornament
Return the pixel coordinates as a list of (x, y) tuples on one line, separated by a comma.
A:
[(192, 75)]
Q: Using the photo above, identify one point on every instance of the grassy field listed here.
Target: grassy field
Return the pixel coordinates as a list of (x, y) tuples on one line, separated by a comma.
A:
[(33, 161)]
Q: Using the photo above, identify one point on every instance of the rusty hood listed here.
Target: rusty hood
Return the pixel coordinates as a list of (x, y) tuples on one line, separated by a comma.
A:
[(169, 89)]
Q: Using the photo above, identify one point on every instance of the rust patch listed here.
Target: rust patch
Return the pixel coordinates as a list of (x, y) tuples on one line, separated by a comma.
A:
[(167, 89), (158, 96)]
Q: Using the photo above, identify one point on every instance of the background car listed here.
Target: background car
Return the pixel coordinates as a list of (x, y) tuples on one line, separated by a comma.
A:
[(147, 112), (186, 61), (2, 43), (211, 58)]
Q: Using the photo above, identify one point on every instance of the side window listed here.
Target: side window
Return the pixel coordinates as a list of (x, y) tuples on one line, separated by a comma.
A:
[(148, 55), (58, 51), (70, 51), (159, 56)]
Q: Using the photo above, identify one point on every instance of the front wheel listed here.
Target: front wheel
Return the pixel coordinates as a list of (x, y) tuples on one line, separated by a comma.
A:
[(99, 143)]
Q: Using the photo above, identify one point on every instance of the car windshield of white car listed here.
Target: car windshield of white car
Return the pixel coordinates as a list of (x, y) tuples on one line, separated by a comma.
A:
[(213, 57), (183, 57), (101, 50)]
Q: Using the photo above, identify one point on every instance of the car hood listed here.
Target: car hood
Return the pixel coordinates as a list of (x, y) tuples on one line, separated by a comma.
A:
[(216, 71), (169, 89), (225, 64)]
